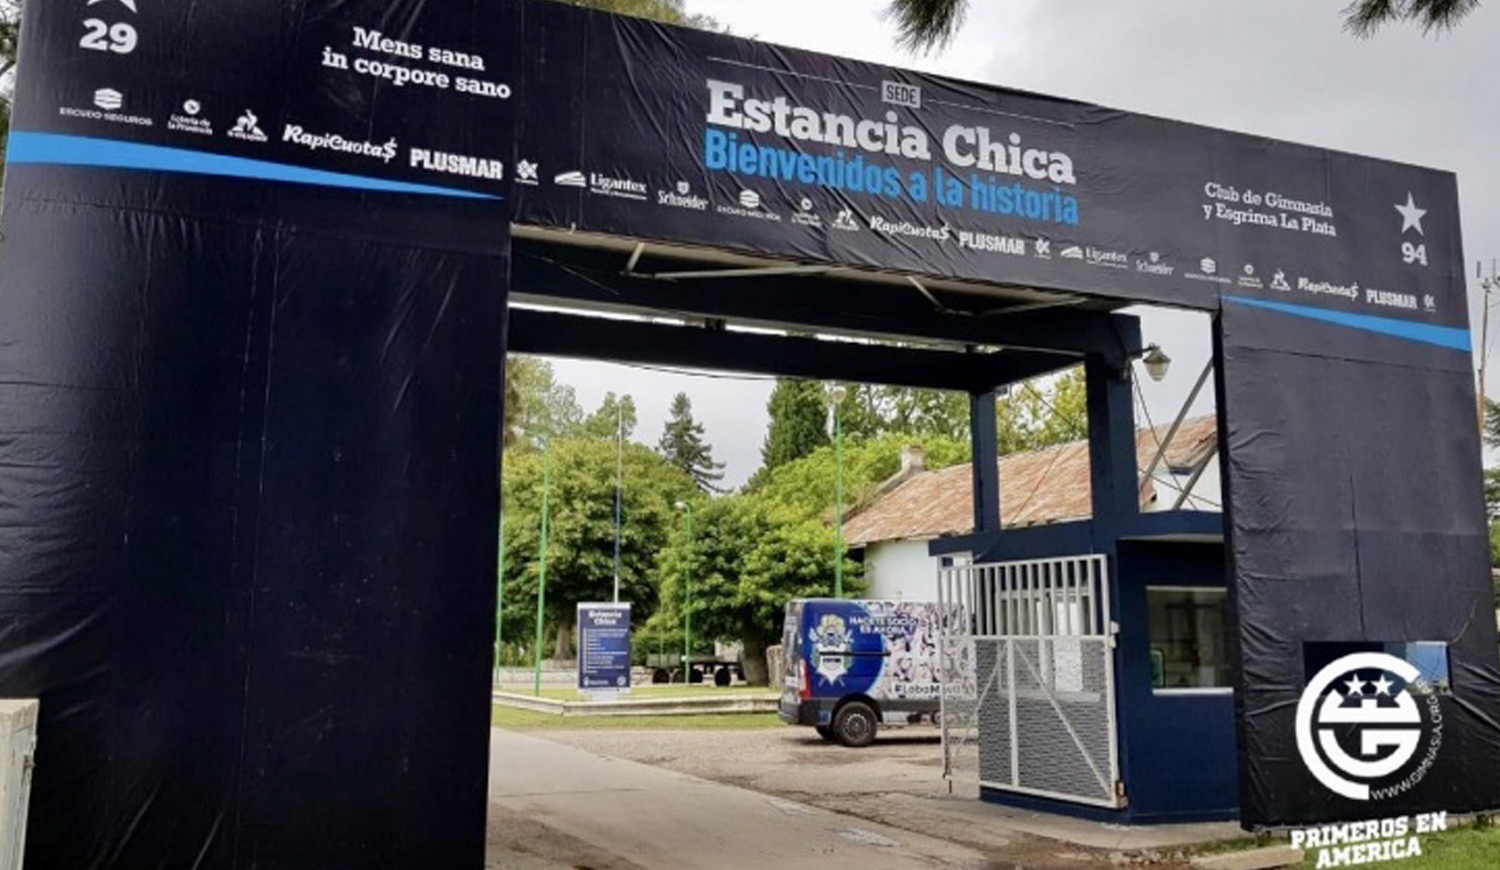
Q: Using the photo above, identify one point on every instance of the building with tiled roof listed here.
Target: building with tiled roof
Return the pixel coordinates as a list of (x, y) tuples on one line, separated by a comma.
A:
[(892, 529)]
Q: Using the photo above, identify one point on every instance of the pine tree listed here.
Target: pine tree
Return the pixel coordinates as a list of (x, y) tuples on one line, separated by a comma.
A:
[(682, 444), (799, 415)]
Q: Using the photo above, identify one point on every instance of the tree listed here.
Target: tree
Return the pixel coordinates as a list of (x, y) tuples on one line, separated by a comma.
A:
[(736, 573), (799, 422), (925, 25), (683, 446), (536, 405), (1039, 414), (581, 530), (1365, 17), (803, 490), (10, 32), (667, 11), (917, 412), (615, 418)]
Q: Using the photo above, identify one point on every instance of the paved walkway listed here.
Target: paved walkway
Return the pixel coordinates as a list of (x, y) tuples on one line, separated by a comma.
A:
[(640, 816)]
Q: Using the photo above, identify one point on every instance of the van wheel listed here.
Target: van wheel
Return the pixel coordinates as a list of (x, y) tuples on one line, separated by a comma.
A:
[(854, 724), (826, 733)]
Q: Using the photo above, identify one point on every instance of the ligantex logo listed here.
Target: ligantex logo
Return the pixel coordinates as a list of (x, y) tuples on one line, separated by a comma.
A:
[(189, 120), (456, 164), (570, 179), (1107, 259), (1072, 252), (296, 135), (991, 244), (247, 128), (682, 196), (1153, 265), (623, 188), (1355, 704)]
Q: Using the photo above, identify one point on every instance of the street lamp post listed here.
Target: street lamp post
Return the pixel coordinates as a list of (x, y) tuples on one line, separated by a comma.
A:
[(619, 487), (1489, 284), (500, 593), (838, 394), (541, 582), (687, 599)]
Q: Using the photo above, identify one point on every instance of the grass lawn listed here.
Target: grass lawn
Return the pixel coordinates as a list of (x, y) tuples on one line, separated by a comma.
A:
[(1466, 848), (654, 691), (522, 720)]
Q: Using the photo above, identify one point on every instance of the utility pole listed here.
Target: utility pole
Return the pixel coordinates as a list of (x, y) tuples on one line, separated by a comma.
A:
[(619, 485), (687, 598), (1490, 284), (836, 398)]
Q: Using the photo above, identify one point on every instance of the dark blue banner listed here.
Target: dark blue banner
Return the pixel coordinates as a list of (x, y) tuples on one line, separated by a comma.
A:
[(604, 648)]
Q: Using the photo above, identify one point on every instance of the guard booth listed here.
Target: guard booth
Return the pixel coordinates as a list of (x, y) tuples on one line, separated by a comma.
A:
[(1093, 655)]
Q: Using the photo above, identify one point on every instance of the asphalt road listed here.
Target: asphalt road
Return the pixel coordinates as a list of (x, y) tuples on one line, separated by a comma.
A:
[(555, 805)]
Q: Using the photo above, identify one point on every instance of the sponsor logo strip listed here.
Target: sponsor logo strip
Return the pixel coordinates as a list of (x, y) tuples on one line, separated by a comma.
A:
[(1441, 336), (57, 149)]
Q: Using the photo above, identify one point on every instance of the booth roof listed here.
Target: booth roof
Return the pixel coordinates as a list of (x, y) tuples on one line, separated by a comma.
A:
[(1043, 486)]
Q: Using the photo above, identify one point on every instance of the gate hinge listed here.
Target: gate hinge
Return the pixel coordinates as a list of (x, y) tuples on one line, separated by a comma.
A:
[(1114, 634)]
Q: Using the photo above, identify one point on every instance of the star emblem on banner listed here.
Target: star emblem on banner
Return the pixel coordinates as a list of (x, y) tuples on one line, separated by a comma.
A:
[(1411, 216), (129, 4)]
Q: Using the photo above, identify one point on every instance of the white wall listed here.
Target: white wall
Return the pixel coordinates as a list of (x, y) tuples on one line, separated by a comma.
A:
[(900, 571), (1206, 494)]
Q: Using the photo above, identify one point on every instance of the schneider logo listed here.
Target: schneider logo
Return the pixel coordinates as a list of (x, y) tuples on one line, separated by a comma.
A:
[(1354, 704), (682, 197), (1153, 265)]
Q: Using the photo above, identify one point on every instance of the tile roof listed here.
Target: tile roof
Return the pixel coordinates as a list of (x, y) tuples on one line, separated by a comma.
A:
[(1043, 486)]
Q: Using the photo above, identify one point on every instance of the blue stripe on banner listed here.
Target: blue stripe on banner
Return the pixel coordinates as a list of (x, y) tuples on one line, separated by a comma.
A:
[(58, 149), (1441, 336)]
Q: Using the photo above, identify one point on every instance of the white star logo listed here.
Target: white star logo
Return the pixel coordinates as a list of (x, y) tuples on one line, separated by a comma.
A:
[(1356, 686), (1383, 685), (1411, 216), (129, 4)]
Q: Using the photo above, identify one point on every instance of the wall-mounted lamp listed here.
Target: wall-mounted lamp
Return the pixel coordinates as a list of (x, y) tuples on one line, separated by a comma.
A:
[(1157, 363)]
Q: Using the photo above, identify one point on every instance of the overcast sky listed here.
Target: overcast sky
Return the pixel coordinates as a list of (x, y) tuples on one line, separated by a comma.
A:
[(1280, 68)]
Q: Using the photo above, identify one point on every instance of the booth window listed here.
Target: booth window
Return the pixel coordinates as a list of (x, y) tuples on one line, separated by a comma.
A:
[(1430, 658), (1189, 652)]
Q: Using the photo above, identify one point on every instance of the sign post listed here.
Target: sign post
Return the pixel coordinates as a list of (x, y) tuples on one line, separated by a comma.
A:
[(603, 650)]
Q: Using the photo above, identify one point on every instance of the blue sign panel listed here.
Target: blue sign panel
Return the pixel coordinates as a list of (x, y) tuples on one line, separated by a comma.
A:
[(604, 648)]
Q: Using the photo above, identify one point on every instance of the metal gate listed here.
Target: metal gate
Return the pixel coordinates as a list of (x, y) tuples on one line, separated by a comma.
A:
[(1028, 700)]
